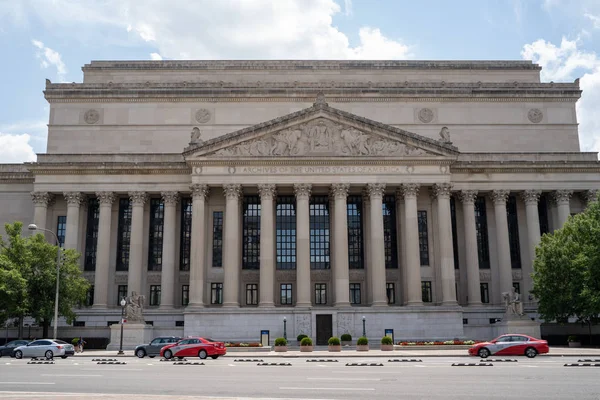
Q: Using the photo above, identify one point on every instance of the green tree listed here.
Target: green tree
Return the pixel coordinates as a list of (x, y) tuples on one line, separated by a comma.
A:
[(566, 278), (13, 287)]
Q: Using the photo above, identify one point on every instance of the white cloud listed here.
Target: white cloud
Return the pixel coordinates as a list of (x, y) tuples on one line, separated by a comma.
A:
[(565, 63), (49, 58), (155, 56), (15, 148), (594, 18), (348, 7)]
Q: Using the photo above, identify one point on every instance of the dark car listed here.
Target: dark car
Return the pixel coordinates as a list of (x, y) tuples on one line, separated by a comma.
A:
[(8, 348), (153, 348)]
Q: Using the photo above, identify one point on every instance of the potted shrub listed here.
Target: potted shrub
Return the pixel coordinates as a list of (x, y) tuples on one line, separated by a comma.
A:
[(362, 344), (300, 337), (281, 344), (306, 344), (346, 339), (574, 341), (75, 343), (387, 344), (334, 344)]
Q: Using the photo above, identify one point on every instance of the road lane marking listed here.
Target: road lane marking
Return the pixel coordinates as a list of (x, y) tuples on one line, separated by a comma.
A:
[(112, 369), (345, 379), (329, 388), (27, 383), (70, 375)]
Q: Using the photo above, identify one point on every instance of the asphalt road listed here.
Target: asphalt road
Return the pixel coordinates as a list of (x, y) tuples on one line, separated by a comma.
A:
[(544, 377)]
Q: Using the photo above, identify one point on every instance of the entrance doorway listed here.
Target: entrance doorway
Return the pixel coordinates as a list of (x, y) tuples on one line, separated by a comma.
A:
[(324, 329)]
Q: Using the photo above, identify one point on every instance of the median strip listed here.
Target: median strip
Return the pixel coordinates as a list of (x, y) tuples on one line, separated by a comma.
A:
[(275, 364), (406, 360), (499, 360), (40, 362), (583, 365), (364, 365), (318, 360), (472, 364), (248, 360), (104, 359), (112, 362), (188, 363), (588, 360)]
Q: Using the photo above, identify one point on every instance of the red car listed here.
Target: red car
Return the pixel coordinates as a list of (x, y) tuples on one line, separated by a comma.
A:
[(510, 345), (192, 347)]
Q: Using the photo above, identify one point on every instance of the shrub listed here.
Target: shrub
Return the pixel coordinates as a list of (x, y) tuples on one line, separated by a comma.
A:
[(346, 337), (469, 342), (572, 338), (300, 337), (306, 341), (74, 341), (362, 341), (281, 341), (333, 341), (386, 340)]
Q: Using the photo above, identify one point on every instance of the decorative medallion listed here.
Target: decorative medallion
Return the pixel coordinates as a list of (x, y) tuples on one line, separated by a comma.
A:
[(91, 116), (203, 115), (535, 115), (425, 115)]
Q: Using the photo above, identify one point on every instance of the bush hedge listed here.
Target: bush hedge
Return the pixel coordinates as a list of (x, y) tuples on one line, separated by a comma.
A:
[(387, 340), (362, 341), (300, 337), (281, 341), (333, 341), (306, 341), (346, 337)]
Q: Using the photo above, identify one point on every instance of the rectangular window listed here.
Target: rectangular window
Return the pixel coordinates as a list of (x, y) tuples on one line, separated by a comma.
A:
[(454, 231), (179, 323), (319, 232), (216, 293), (423, 237), (157, 220), (185, 241), (123, 234), (426, 294), (61, 229), (252, 294), (89, 297), (185, 295), (320, 293), (91, 235), (217, 250), (355, 293), (121, 293), (155, 295), (285, 222), (483, 248), (513, 231), (285, 296), (355, 232), (79, 323), (517, 287), (390, 290), (484, 289), (390, 243), (251, 233), (543, 214)]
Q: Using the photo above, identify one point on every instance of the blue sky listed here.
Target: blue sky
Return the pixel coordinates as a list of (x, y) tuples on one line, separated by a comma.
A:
[(53, 39)]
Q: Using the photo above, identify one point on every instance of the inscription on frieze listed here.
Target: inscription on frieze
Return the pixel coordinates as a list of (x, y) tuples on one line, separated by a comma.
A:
[(315, 170)]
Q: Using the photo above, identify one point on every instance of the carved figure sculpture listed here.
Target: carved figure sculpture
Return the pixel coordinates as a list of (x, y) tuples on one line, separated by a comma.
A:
[(134, 309), (445, 135), (512, 302), (195, 139)]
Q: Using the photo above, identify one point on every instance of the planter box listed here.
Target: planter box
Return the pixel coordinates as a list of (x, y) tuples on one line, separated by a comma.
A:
[(347, 343), (574, 344), (387, 347), (334, 348), (364, 347), (306, 349), (281, 349)]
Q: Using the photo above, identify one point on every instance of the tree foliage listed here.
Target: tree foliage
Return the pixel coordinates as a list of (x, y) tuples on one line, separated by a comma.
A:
[(566, 278)]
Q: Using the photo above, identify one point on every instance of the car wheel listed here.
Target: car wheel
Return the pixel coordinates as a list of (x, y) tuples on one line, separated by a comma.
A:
[(483, 353), (202, 354), (49, 355), (151, 356), (530, 352), (18, 354), (141, 353), (214, 357), (168, 354)]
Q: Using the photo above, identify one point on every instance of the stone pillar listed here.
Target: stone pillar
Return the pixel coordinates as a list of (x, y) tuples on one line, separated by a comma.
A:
[(442, 192), (231, 257), (105, 200), (377, 261), (563, 203), (341, 274), (366, 210), (468, 197), (198, 245), (531, 198), (136, 242), (503, 247), (74, 200), (303, 297), (267, 245), (589, 196), (41, 201), (401, 243), (411, 238), (167, 278)]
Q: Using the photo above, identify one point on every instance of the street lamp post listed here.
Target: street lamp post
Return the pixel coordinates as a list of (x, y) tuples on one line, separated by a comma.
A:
[(364, 330), (284, 328), (123, 302), (33, 227)]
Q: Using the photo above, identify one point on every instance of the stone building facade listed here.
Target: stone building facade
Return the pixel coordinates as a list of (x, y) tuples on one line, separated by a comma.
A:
[(234, 194)]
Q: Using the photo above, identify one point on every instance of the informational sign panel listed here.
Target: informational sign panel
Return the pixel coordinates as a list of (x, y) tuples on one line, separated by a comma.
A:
[(264, 338), (390, 333)]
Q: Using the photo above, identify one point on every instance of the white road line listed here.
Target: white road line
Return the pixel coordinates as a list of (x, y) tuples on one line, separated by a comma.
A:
[(420, 366), (231, 365), (69, 375), (27, 383), (329, 388), (111, 369), (344, 379)]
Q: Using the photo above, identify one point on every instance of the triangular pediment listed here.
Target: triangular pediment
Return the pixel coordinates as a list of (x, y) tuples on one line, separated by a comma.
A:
[(320, 131)]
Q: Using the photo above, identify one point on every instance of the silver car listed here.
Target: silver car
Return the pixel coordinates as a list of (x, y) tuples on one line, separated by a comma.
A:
[(48, 348)]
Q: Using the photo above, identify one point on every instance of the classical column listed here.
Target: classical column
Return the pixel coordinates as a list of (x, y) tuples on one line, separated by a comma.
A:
[(563, 203), (531, 198), (41, 201), (341, 274), (302, 191), (503, 247), (366, 210), (136, 242), (267, 245), (442, 192), (74, 200), (377, 261), (198, 245), (231, 257), (589, 196), (167, 278), (411, 239), (468, 197), (106, 200), (400, 225)]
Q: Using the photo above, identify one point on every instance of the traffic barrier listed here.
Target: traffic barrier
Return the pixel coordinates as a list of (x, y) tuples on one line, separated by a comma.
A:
[(172, 359), (473, 364), (317, 360), (104, 359), (112, 362), (364, 365), (40, 362), (587, 360), (276, 364), (499, 360), (188, 363), (582, 365), (247, 360), (406, 360)]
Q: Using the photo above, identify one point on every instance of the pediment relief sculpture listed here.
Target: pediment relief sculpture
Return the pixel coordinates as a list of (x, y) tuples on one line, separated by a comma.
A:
[(320, 137)]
